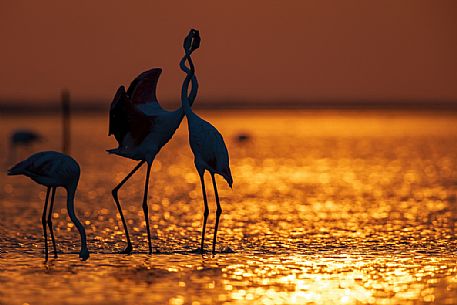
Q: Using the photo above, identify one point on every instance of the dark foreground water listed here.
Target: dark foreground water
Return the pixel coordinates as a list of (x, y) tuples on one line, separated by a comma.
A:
[(350, 208)]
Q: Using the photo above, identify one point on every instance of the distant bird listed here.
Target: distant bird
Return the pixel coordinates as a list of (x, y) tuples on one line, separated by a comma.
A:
[(141, 128), (243, 137), (22, 137), (208, 147), (53, 169)]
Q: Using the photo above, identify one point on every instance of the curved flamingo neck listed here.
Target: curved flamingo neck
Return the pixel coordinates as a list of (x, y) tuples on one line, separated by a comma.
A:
[(193, 79), (188, 99), (71, 192)]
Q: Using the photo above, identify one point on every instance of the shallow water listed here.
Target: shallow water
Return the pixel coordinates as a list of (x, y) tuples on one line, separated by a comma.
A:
[(350, 208)]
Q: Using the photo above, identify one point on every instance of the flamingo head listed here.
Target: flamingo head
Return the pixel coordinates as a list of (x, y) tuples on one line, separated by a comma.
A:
[(227, 174), (195, 39), (192, 41)]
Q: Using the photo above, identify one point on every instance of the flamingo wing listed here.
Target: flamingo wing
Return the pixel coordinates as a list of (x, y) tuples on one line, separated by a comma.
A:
[(139, 124), (142, 89), (220, 152), (118, 115), (210, 145)]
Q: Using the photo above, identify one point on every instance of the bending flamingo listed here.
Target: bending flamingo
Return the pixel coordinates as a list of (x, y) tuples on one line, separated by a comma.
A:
[(141, 128), (53, 169), (208, 147)]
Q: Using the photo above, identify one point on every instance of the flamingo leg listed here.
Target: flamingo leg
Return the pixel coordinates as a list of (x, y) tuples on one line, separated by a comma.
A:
[(114, 192), (218, 212), (43, 222), (145, 206), (206, 213), (50, 221)]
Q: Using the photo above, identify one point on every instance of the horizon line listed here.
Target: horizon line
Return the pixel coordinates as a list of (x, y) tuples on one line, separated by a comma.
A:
[(98, 105)]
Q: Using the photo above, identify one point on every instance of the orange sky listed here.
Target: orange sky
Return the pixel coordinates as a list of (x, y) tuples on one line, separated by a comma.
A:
[(251, 50)]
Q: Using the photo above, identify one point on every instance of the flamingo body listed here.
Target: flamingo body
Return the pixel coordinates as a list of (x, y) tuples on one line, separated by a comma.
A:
[(138, 122), (208, 147), (48, 168)]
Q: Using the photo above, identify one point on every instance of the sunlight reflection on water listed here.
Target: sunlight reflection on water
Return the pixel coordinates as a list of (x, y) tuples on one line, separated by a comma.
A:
[(326, 208)]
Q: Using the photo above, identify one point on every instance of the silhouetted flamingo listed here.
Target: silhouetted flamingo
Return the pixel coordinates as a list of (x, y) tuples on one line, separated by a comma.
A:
[(142, 128), (208, 147), (53, 169), (21, 137)]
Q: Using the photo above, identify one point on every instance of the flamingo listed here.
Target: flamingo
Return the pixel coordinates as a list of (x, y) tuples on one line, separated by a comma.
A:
[(141, 128), (22, 137), (53, 169), (208, 147)]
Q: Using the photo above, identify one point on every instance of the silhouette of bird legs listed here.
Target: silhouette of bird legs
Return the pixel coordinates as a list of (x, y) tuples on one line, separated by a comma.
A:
[(48, 222), (205, 215), (218, 212), (129, 248), (43, 222), (201, 250)]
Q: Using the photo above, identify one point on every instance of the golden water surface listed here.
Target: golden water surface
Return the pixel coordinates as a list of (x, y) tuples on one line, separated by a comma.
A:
[(326, 208)]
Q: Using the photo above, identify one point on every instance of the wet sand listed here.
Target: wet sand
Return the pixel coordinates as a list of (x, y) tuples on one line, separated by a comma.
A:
[(349, 208)]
